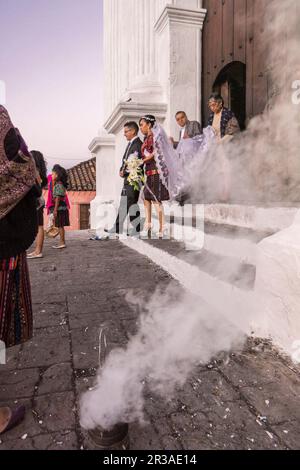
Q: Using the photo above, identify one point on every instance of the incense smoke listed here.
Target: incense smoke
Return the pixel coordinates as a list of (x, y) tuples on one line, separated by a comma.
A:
[(174, 336)]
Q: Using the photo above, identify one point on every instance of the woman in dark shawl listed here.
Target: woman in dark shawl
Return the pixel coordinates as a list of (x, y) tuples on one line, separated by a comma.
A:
[(18, 228)]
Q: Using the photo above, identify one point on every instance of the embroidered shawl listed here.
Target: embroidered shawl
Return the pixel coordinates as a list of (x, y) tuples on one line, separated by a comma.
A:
[(16, 179)]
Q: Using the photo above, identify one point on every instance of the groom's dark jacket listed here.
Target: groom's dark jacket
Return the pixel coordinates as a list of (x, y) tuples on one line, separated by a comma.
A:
[(135, 146)]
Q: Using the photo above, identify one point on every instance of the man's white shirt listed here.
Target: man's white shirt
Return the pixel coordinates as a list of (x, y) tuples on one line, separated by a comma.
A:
[(182, 132)]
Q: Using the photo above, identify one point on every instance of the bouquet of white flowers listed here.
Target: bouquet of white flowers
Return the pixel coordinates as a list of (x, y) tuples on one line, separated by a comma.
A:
[(136, 175)]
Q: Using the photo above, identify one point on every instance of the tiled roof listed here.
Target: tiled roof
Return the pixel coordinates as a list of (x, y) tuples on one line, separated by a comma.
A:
[(82, 177)]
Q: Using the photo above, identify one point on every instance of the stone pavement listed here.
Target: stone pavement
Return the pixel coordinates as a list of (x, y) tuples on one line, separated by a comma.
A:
[(248, 401)]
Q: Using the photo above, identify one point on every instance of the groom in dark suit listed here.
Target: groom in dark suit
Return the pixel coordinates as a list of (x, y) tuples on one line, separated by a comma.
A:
[(129, 196)]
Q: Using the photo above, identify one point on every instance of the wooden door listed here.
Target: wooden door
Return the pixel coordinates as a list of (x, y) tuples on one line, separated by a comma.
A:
[(84, 216), (233, 34)]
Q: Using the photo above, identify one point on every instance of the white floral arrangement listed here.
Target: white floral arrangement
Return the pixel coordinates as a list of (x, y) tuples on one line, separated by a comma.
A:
[(136, 176)]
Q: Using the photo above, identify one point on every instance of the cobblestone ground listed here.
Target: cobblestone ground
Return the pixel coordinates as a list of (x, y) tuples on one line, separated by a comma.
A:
[(249, 401)]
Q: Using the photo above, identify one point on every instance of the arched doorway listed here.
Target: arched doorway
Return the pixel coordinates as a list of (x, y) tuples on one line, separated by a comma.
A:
[(231, 84)]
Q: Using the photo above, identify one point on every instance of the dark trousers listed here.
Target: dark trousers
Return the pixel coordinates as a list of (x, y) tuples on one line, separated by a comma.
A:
[(129, 205)]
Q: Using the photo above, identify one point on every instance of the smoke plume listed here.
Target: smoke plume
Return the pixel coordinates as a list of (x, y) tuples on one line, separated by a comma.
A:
[(175, 335)]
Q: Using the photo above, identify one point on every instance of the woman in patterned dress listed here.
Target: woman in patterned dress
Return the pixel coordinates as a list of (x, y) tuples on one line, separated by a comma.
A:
[(155, 191)]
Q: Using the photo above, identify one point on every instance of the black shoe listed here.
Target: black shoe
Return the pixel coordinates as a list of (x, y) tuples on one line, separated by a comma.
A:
[(134, 234), (112, 231)]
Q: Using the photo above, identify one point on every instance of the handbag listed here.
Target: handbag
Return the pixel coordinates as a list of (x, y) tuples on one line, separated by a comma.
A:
[(51, 231)]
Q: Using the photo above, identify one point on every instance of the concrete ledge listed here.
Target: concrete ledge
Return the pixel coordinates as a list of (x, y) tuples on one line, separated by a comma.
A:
[(125, 111), (101, 141), (172, 14), (264, 219)]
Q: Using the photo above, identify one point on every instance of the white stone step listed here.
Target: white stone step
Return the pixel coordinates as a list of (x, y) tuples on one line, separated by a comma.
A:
[(247, 267), (263, 219), (238, 244), (230, 230), (242, 249), (229, 300)]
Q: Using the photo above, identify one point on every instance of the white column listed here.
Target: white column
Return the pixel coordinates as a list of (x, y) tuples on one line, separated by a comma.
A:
[(106, 55), (115, 75), (138, 45), (103, 148), (130, 50), (133, 51), (179, 33), (135, 67)]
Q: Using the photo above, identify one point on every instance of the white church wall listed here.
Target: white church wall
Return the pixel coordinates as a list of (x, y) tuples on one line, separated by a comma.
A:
[(180, 29), (152, 49), (103, 147), (152, 65), (277, 288)]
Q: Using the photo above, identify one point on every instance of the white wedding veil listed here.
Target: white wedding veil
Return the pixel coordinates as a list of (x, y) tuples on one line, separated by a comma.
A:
[(167, 161), (175, 166)]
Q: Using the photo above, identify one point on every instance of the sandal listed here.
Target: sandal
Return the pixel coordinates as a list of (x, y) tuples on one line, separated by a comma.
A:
[(14, 417), (34, 256), (146, 232), (163, 234)]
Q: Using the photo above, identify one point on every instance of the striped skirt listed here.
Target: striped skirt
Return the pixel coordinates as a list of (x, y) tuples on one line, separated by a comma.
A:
[(15, 301)]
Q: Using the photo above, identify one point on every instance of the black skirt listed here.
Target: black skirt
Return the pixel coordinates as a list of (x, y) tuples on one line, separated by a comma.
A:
[(154, 190), (40, 214), (19, 227), (62, 219)]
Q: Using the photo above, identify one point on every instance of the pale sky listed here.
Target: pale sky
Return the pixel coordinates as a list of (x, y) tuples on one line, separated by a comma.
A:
[(51, 63)]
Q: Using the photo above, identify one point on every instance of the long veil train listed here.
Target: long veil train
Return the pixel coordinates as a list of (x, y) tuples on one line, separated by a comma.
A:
[(175, 165)]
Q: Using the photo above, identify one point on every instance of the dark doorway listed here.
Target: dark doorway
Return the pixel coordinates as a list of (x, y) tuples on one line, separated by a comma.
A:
[(231, 84), (84, 216)]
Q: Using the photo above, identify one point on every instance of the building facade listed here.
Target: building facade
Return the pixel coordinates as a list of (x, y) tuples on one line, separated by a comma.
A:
[(152, 63), (161, 56), (81, 192)]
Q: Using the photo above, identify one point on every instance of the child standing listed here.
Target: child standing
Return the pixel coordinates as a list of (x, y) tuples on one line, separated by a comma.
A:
[(60, 210)]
